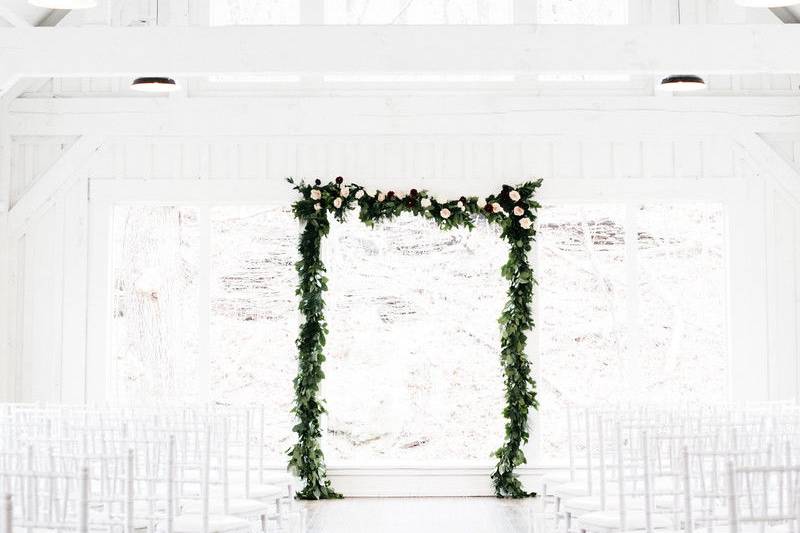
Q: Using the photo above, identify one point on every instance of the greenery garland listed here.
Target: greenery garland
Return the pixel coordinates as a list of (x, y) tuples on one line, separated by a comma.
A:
[(513, 209)]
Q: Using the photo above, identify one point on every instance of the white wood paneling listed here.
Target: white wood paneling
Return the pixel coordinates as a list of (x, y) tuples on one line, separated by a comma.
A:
[(408, 158), (32, 156), (412, 115), (782, 286)]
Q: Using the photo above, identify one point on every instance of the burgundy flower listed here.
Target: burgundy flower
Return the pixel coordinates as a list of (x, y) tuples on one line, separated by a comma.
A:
[(463, 200), (413, 193), (339, 180), (488, 208), (317, 182), (409, 202), (390, 194)]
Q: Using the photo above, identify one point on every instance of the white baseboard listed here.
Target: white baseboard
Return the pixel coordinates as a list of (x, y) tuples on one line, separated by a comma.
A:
[(422, 481)]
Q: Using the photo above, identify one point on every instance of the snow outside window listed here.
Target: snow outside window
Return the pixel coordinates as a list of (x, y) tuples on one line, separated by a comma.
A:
[(631, 300)]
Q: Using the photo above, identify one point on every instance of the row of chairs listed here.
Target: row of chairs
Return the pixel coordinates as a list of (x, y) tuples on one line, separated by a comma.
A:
[(692, 470), (171, 470)]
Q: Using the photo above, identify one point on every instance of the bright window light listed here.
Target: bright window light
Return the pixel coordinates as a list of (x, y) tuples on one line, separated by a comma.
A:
[(254, 12), (418, 78), (418, 12), (582, 12), (642, 322), (413, 374)]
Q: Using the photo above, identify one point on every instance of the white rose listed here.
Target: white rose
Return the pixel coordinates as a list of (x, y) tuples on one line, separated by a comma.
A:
[(316, 194), (525, 223), (425, 202), (481, 203), (445, 213), (337, 203), (359, 194), (317, 207), (381, 197), (514, 195), (496, 208), (344, 192), (519, 211), (440, 199), (460, 205)]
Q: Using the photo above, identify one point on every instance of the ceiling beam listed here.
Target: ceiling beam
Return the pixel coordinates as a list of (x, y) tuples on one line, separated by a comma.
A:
[(786, 15), (57, 177), (403, 115), (54, 18), (13, 18), (186, 51), (767, 160)]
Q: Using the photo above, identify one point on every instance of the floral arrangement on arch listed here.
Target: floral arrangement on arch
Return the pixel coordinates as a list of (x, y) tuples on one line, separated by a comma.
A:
[(513, 209)]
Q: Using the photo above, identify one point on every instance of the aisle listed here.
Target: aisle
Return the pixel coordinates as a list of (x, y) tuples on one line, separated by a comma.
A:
[(423, 515)]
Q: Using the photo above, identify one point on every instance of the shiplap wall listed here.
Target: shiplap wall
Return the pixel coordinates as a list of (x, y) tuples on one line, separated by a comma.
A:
[(50, 255), (392, 158)]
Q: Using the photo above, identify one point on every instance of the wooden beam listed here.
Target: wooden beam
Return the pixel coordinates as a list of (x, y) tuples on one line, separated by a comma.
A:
[(54, 179), (13, 18), (271, 191), (775, 167), (409, 115), (186, 51)]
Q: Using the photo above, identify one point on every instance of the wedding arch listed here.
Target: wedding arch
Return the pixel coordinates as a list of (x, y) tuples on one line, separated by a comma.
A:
[(514, 209)]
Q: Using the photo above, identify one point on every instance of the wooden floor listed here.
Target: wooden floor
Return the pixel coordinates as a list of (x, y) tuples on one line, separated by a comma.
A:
[(424, 515)]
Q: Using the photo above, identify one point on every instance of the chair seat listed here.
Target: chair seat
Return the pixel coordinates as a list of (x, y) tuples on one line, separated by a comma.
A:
[(558, 478), (193, 523), (747, 528), (573, 488), (585, 504), (236, 507), (277, 478), (258, 492), (611, 520)]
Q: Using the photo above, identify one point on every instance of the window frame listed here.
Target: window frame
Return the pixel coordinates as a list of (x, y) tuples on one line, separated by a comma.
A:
[(105, 194)]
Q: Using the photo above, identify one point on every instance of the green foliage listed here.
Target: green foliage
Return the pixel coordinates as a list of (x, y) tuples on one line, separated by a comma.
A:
[(337, 198)]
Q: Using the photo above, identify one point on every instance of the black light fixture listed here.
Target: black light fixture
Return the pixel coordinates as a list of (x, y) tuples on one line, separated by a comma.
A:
[(682, 83), (154, 84)]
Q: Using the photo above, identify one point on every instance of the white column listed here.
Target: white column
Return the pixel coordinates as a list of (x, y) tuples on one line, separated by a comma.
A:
[(5, 317), (98, 346), (747, 293)]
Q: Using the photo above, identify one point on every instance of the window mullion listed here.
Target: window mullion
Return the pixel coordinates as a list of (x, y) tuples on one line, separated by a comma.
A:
[(204, 301), (631, 284)]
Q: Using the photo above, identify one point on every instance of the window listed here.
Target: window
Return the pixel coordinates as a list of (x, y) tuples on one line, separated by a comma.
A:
[(418, 12), (154, 324), (582, 12), (254, 12), (631, 299), (413, 372)]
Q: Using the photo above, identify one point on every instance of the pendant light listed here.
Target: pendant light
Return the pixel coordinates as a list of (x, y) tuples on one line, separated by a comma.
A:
[(682, 83), (64, 4), (154, 84)]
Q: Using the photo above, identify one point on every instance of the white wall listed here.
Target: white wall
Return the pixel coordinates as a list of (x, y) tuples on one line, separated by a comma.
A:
[(50, 257)]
